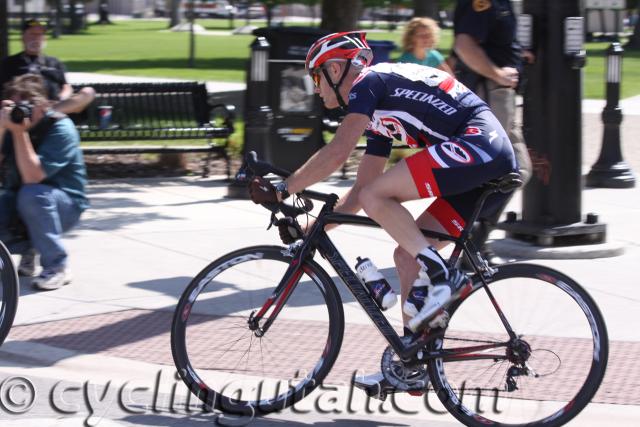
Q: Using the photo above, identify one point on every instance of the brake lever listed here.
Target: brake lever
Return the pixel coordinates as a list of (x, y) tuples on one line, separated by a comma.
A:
[(272, 221), (243, 173)]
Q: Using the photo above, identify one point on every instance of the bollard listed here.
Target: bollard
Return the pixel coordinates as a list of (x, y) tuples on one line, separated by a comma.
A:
[(611, 171)]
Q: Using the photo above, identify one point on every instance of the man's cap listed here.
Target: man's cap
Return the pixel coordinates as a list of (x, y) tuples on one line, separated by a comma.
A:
[(30, 23)]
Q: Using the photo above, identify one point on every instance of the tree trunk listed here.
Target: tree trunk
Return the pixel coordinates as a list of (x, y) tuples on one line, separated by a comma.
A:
[(74, 18), (57, 29), (174, 13), (634, 40), (4, 30), (103, 11), (427, 8), (340, 15), (269, 10)]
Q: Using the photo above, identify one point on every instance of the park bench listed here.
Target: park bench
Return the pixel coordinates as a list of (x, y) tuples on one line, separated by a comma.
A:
[(162, 112)]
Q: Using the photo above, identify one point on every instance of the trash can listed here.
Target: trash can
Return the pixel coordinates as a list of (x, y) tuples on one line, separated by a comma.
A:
[(296, 128), (289, 42), (381, 50)]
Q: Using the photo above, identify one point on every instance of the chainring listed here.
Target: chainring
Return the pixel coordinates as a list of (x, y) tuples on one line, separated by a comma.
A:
[(398, 375)]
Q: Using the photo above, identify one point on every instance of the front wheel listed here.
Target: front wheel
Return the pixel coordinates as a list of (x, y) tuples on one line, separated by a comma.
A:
[(234, 367), (542, 377), (9, 291)]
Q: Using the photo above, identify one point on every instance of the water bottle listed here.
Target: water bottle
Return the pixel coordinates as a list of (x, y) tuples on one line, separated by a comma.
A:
[(378, 286)]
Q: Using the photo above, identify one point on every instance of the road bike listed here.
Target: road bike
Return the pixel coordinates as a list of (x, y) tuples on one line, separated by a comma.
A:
[(9, 291), (260, 328)]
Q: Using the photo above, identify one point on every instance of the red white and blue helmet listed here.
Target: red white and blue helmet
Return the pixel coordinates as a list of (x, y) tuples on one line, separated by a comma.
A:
[(347, 45)]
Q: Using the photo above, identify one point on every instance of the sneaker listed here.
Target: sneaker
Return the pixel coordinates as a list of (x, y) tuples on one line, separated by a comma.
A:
[(27, 266), (426, 304), (50, 279)]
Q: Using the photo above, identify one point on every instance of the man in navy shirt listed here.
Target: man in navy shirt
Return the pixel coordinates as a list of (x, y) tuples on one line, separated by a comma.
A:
[(489, 60), (43, 187), (463, 146), (33, 61)]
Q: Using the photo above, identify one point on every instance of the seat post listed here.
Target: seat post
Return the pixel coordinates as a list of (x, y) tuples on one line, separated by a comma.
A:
[(476, 213)]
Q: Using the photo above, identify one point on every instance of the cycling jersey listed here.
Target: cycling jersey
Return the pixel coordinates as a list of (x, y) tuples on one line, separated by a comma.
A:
[(417, 105), (464, 144)]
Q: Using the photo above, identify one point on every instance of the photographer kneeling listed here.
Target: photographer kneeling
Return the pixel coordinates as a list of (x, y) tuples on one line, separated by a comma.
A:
[(44, 181)]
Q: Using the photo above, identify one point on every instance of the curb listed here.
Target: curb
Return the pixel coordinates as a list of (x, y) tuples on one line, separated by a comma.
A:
[(511, 248)]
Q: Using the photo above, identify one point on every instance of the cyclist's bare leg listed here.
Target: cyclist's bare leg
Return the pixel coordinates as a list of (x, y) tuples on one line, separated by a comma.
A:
[(407, 266), (382, 199)]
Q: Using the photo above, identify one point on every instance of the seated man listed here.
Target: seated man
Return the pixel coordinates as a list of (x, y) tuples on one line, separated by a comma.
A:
[(45, 176), (463, 147), (32, 61)]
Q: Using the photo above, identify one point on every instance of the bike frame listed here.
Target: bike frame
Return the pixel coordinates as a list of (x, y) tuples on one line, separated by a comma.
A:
[(318, 239)]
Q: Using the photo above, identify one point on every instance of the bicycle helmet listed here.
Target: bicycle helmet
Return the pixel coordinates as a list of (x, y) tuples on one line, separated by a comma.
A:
[(351, 46), (347, 45)]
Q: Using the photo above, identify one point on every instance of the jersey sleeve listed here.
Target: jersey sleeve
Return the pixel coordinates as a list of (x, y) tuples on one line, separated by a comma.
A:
[(378, 145), (365, 95), (472, 17)]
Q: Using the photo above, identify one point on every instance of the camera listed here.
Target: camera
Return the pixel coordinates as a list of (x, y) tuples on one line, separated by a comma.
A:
[(21, 111)]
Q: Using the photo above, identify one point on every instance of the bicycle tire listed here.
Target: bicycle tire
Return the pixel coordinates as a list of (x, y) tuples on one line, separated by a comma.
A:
[(559, 392), (242, 271), (10, 291)]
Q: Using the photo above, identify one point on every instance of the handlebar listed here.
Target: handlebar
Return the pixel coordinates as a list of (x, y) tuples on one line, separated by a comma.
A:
[(254, 167), (260, 168)]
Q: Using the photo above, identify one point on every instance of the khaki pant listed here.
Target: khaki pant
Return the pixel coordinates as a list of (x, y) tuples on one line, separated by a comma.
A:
[(502, 101)]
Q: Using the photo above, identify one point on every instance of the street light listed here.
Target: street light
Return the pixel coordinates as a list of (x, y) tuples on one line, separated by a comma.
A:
[(611, 171), (259, 60)]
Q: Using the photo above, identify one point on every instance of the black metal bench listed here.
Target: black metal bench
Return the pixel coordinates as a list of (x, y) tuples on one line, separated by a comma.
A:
[(156, 112)]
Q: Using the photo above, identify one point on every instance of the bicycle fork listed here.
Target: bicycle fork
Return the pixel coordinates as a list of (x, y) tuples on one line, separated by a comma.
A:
[(279, 297)]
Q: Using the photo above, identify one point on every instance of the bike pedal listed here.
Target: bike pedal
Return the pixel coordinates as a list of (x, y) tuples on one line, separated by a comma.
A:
[(374, 391)]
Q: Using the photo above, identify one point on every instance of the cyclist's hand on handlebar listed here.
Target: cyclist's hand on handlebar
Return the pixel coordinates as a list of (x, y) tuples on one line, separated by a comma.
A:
[(262, 191), (289, 230)]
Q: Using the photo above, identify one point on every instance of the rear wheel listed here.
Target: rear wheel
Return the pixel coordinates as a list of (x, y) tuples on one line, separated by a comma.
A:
[(228, 363), (552, 369)]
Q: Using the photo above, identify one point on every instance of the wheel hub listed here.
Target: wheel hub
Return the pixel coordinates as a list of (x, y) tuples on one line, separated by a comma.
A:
[(518, 351)]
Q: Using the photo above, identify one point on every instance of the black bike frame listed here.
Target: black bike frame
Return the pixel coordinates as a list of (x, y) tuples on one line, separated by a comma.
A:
[(318, 239)]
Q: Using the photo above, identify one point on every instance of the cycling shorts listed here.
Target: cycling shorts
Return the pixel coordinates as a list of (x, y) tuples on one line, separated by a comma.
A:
[(454, 171)]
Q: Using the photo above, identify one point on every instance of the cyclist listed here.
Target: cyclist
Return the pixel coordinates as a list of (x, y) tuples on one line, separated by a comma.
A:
[(463, 144)]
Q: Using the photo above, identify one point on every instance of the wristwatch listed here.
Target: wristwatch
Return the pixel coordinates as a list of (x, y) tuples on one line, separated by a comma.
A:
[(282, 188)]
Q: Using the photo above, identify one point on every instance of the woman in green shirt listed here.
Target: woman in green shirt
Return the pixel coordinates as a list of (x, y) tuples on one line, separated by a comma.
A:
[(418, 42)]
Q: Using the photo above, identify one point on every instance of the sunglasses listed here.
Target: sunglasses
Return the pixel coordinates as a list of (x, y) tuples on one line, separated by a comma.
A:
[(315, 76)]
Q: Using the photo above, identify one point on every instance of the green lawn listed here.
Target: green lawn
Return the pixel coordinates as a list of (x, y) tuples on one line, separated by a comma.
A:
[(143, 48)]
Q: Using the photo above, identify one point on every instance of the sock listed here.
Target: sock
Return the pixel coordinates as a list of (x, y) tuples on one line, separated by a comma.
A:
[(431, 261)]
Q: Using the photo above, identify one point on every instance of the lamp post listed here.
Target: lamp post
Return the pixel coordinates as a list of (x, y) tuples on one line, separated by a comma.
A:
[(552, 125), (258, 113), (258, 116), (192, 38), (611, 171)]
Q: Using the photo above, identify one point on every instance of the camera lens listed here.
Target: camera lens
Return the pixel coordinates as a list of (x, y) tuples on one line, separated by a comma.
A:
[(21, 112)]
